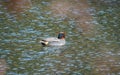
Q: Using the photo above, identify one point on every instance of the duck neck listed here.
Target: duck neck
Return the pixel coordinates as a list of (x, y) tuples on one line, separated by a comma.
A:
[(61, 38)]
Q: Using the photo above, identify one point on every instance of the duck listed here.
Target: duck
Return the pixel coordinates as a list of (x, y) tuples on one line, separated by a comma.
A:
[(54, 41)]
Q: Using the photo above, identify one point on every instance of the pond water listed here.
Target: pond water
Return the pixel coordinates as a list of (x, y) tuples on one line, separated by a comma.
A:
[(92, 37)]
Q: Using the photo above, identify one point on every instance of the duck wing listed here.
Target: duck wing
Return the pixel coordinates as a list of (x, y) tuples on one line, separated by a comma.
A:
[(52, 39)]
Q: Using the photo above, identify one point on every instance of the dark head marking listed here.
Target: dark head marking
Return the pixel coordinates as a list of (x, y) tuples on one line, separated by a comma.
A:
[(61, 35)]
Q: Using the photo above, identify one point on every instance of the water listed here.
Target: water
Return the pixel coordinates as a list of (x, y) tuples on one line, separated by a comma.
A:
[(92, 36)]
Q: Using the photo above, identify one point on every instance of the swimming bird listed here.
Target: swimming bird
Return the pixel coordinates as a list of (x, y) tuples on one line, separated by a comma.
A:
[(54, 41)]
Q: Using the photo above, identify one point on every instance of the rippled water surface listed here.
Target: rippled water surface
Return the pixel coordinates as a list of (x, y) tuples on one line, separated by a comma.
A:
[(92, 37)]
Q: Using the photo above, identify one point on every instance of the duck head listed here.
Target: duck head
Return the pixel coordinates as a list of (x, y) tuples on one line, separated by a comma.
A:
[(61, 35)]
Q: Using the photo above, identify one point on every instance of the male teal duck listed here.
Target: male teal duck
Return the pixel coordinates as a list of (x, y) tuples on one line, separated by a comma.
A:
[(54, 41)]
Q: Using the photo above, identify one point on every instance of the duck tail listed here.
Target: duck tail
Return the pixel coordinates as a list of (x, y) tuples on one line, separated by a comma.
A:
[(44, 42)]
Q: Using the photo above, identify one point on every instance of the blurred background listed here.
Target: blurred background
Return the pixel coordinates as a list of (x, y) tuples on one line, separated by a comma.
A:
[(92, 30)]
